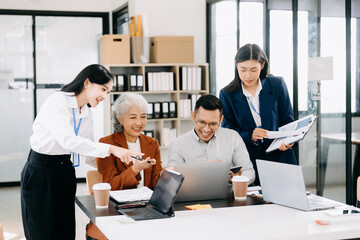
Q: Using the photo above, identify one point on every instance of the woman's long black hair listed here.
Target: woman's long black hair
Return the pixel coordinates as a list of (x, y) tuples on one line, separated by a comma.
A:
[(248, 52), (96, 73)]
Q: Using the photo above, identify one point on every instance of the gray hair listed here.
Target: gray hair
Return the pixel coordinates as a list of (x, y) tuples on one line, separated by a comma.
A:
[(122, 105)]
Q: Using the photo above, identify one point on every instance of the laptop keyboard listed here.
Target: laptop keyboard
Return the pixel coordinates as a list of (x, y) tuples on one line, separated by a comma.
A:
[(148, 212), (318, 203)]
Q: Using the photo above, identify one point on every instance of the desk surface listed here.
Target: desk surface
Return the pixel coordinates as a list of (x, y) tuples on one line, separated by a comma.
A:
[(355, 137), (266, 221), (87, 205)]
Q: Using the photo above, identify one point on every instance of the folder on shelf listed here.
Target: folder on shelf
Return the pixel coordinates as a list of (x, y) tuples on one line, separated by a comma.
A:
[(189, 78), (165, 109), (291, 132), (156, 80), (171, 81), (198, 78), (172, 109), (150, 114), (156, 110), (139, 83), (133, 83), (149, 82), (120, 83), (183, 79)]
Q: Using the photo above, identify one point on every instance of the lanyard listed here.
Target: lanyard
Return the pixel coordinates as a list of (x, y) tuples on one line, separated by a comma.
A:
[(76, 160), (253, 107)]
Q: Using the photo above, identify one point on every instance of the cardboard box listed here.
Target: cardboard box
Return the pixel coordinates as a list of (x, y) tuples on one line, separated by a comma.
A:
[(115, 49), (172, 49)]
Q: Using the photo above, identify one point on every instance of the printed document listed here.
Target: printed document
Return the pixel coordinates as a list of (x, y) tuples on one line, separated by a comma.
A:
[(291, 132), (131, 195)]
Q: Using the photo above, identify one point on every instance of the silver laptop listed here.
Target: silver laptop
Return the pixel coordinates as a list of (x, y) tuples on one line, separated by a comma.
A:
[(203, 181), (284, 184)]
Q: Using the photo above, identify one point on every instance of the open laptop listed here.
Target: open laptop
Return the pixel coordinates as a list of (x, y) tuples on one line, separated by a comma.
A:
[(203, 181), (161, 202), (284, 184)]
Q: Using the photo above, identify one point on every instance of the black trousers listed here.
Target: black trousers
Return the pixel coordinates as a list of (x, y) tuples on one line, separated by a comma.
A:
[(48, 187)]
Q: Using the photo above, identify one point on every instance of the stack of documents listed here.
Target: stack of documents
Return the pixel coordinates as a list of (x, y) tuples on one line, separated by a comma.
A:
[(290, 133), (131, 195)]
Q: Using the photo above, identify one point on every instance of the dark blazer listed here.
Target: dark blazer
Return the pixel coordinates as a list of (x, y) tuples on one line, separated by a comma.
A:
[(275, 111)]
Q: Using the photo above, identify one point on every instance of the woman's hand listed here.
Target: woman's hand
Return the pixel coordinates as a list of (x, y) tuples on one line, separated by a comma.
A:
[(124, 154), (142, 165), (259, 134), (284, 147)]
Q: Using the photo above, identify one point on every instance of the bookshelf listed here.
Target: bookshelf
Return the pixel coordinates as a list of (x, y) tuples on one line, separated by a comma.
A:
[(181, 124)]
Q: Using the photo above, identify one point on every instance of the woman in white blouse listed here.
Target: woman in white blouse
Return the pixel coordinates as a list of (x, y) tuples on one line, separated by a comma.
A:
[(62, 134)]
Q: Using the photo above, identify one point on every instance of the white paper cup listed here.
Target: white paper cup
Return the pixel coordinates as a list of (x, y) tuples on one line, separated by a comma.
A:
[(102, 194), (240, 185)]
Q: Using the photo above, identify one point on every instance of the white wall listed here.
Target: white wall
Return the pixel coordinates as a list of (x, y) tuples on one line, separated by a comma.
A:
[(173, 18), (56, 5), (164, 17)]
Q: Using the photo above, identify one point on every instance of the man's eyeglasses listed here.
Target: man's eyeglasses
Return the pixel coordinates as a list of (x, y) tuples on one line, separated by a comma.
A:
[(202, 124)]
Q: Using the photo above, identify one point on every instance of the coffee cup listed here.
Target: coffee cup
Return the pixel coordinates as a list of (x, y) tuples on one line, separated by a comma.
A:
[(240, 185), (102, 194)]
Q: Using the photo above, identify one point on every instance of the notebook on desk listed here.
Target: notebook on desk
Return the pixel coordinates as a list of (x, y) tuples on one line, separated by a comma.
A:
[(284, 184), (203, 181), (161, 202)]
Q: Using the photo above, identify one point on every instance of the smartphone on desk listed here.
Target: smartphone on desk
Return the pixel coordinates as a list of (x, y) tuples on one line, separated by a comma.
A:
[(235, 169)]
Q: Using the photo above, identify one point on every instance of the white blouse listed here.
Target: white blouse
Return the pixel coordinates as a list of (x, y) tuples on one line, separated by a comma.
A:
[(254, 100), (136, 148), (53, 129)]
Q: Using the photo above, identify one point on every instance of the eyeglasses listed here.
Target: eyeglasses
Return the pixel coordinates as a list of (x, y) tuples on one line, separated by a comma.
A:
[(202, 124)]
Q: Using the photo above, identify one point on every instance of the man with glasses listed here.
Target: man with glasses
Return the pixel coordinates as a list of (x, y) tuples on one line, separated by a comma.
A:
[(208, 141)]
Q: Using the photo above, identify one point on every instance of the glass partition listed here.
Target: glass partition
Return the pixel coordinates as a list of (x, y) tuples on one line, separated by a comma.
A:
[(16, 94)]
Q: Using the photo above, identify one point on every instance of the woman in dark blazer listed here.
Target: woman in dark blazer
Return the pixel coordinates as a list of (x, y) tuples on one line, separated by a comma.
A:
[(129, 121), (256, 102)]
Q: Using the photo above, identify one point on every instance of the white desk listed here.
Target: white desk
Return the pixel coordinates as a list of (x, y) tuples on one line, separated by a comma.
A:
[(268, 221)]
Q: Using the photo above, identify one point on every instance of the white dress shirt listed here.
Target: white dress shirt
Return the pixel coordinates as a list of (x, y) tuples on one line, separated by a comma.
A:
[(136, 148), (254, 100), (53, 129), (226, 145)]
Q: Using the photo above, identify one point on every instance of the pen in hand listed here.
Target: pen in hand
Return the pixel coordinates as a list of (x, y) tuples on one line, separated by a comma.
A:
[(139, 158)]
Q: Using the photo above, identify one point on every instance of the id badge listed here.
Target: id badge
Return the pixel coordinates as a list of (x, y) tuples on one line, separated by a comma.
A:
[(75, 158)]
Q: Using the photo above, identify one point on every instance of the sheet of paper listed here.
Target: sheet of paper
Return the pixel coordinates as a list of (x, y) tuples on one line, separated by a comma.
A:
[(290, 133), (280, 134)]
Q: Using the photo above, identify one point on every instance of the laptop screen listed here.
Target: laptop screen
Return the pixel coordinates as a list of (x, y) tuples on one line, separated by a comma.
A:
[(165, 191)]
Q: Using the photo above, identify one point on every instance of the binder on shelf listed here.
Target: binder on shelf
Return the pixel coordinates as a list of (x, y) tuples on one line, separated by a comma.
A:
[(171, 81), (156, 81), (194, 98), (132, 83), (183, 78), (156, 110), (198, 78), (150, 82), (150, 114), (120, 83), (172, 109), (165, 109), (189, 78), (139, 83)]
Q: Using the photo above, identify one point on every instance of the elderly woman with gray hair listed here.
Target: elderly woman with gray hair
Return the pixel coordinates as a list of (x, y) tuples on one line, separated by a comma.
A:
[(130, 111)]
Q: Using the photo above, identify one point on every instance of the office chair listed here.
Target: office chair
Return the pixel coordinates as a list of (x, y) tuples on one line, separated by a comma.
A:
[(93, 177), (358, 192)]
